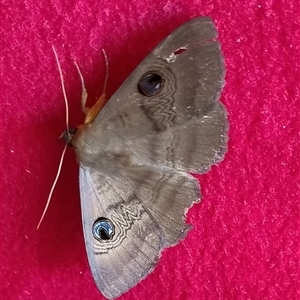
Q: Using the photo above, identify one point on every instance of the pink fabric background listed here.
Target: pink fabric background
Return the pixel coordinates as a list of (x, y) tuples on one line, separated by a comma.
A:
[(245, 242)]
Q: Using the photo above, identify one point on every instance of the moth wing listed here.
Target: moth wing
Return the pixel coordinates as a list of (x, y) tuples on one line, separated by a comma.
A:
[(134, 153), (192, 82), (147, 210), (192, 147), (184, 126), (166, 194), (119, 263)]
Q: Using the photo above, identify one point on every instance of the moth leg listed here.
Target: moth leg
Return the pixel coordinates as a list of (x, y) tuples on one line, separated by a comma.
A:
[(84, 93), (92, 112)]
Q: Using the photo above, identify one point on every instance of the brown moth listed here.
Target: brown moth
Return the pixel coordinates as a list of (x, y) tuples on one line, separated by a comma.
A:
[(136, 152)]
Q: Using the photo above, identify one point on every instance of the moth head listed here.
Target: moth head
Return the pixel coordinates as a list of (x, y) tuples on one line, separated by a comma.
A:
[(68, 135)]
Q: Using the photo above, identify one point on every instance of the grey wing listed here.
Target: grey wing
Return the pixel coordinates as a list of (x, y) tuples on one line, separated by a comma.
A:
[(192, 147), (184, 126), (147, 212), (119, 263), (193, 80), (139, 147), (167, 195)]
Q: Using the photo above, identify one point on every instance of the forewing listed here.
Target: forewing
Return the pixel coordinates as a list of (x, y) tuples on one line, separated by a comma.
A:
[(183, 126), (147, 211), (193, 80), (119, 263)]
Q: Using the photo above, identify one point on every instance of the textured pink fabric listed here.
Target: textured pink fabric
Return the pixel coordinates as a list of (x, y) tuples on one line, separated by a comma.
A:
[(245, 242)]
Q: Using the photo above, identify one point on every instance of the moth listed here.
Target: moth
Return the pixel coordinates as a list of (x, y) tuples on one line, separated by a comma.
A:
[(137, 152)]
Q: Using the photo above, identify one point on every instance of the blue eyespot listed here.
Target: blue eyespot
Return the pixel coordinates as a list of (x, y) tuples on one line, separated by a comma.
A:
[(150, 84), (103, 229)]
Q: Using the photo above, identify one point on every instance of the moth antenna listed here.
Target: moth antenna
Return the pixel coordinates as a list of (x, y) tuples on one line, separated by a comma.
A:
[(63, 87), (67, 129), (106, 71), (53, 186)]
